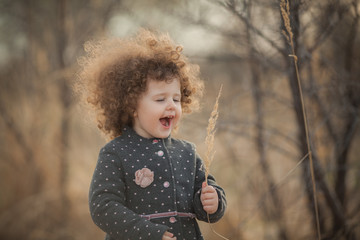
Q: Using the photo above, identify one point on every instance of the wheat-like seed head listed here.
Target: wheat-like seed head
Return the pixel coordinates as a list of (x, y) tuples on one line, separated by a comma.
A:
[(210, 137), (285, 12)]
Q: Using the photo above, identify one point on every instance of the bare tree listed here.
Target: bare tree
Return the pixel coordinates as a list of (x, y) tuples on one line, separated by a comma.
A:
[(316, 29), (36, 84)]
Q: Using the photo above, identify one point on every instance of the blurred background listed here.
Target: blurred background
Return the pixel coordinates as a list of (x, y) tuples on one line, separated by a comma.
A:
[(49, 146)]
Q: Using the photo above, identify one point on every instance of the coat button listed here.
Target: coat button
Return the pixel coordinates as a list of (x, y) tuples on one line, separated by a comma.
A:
[(172, 219), (155, 141), (166, 184), (160, 153)]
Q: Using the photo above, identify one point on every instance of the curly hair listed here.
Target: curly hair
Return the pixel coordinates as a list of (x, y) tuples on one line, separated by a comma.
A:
[(114, 74)]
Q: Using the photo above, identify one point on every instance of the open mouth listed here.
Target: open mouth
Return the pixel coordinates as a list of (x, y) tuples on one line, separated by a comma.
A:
[(166, 121)]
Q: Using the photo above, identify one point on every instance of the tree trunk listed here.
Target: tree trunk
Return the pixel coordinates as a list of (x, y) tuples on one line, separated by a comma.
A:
[(277, 211), (65, 100), (298, 109)]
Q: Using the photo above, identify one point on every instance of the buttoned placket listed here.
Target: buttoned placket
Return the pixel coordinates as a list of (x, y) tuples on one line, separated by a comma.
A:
[(168, 157)]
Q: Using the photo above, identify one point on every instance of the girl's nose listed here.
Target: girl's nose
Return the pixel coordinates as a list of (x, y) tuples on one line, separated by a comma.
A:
[(171, 105)]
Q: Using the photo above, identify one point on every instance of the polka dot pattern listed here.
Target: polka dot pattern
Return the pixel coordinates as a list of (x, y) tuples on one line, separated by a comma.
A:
[(117, 202)]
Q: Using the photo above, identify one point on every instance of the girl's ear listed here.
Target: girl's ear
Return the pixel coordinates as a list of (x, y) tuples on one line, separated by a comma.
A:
[(135, 114)]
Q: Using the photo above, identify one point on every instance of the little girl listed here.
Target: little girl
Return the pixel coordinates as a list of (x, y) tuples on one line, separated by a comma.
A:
[(146, 185)]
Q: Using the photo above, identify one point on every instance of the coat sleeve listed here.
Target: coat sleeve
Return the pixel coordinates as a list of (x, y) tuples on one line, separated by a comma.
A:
[(199, 179), (107, 202)]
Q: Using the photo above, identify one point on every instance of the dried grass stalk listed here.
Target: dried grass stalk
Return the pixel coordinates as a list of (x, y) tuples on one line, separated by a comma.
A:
[(285, 12), (210, 152), (210, 137)]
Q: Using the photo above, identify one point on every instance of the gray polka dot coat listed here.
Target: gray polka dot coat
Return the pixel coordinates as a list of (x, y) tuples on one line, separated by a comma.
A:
[(168, 198)]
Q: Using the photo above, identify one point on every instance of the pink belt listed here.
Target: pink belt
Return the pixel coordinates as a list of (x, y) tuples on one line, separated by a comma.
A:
[(168, 214)]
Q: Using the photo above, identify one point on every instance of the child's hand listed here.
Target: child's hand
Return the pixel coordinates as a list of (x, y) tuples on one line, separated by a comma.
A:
[(168, 236), (209, 198)]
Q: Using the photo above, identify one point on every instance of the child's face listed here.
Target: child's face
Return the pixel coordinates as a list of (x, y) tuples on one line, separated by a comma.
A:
[(158, 109)]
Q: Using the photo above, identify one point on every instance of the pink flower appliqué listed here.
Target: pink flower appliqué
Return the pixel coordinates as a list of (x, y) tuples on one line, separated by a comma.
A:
[(144, 177)]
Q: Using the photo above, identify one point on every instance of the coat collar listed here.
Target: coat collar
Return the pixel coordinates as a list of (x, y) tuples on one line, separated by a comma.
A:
[(131, 133)]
